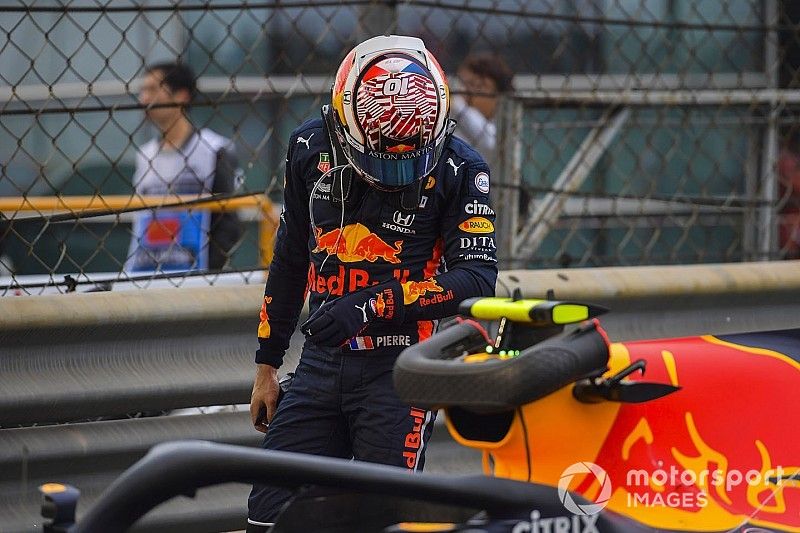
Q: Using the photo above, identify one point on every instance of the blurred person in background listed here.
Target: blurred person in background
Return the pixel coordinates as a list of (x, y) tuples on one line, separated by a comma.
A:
[(789, 196), (483, 77), (183, 160), (387, 227)]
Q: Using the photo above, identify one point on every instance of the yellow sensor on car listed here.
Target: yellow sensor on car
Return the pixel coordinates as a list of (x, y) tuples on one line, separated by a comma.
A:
[(538, 313)]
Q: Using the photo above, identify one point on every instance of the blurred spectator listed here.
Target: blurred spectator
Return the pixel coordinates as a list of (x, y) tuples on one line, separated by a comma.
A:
[(789, 196), (186, 161), (483, 76), (6, 266)]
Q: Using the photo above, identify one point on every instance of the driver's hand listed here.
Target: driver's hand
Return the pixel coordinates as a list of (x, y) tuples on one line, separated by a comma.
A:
[(264, 398)]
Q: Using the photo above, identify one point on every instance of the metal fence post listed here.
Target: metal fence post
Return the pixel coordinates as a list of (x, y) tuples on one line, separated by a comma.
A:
[(750, 218), (768, 220), (507, 178), (545, 214)]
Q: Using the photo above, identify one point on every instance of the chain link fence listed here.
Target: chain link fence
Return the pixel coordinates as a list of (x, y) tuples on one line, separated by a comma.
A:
[(636, 131)]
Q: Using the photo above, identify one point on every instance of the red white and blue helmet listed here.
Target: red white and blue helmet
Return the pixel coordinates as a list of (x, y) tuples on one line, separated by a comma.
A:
[(391, 108)]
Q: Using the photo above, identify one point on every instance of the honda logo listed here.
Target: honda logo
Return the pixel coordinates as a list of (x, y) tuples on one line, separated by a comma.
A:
[(403, 220)]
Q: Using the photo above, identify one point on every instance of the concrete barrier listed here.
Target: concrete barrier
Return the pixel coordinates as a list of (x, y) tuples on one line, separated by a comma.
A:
[(654, 283)]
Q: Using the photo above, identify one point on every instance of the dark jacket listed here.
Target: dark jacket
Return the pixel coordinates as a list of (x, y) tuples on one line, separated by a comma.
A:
[(447, 242)]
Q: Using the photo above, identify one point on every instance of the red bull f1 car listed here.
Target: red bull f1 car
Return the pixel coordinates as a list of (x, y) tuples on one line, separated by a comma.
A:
[(577, 434)]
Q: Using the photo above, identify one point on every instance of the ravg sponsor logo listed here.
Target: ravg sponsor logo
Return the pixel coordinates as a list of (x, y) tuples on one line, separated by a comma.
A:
[(477, 225), (347, 279), (477, 243), (557, 524), (477, 208)]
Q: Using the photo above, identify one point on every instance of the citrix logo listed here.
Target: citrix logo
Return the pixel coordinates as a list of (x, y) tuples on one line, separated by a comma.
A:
[(558, 524), (477, 208)]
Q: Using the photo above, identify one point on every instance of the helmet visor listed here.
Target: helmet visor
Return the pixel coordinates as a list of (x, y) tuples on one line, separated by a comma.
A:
[(398, 169)]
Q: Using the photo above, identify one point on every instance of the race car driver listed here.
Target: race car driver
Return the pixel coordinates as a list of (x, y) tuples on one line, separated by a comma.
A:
[(386, 228)]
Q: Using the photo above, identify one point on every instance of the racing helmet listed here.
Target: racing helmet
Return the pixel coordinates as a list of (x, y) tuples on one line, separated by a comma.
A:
[(391, 107)]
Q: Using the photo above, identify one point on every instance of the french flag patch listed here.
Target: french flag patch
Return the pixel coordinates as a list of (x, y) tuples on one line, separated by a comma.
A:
[(361, 343)]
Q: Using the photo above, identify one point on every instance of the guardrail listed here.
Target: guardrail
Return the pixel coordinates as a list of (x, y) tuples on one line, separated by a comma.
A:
[(88, 207), (86, 357)]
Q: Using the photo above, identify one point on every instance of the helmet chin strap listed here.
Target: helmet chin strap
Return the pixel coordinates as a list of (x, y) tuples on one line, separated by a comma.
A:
[(406, 199), (343, 186), (411, 196)]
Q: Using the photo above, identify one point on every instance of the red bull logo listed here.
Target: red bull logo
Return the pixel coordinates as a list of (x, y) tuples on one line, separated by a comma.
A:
[(356, 243), (380, 305), (712, 452), (383, 304), (413, 443), (720, 454), (412, 290), (347, 280), (437, 298), (399, 148)]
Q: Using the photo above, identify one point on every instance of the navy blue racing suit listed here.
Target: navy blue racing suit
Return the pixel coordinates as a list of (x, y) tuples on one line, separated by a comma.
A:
[(342, 402)]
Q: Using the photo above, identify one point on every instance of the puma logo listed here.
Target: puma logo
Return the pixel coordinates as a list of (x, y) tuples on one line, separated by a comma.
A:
[(363, 310), (453, 164), (306, 141)]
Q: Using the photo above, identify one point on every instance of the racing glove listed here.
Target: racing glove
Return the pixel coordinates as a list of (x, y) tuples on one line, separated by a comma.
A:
[(336, 322)]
